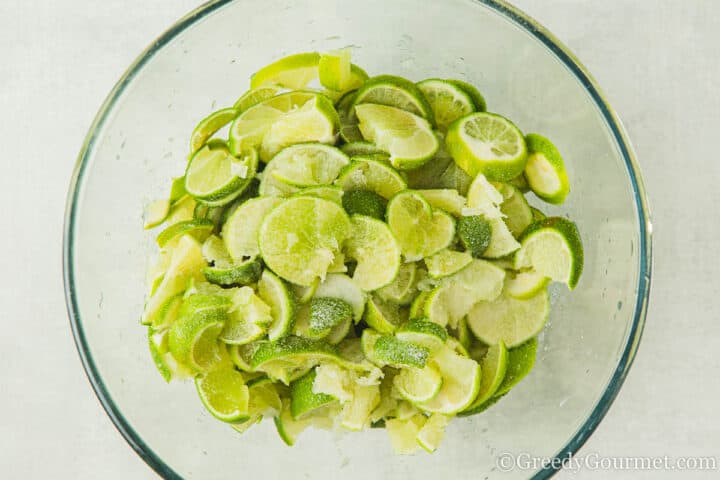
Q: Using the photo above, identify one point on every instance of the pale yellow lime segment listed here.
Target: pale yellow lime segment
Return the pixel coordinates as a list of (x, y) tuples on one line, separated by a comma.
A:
[(240, 232), (224, 394), (372, 245), (300, 237), (408, 138)]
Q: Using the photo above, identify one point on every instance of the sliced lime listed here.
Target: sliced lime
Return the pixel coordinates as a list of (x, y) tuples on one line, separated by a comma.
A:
[(516, 209), (417, 307), (553, 248), (198, 229), (337, 285), (432, 433), (275, 293), (493, 365), (247, 319), (472, 92), (408, 138), (254, 96), (487, 143), (308, 164), (524, 285), (364, 202), (372, 245), (403, 433), (360, 148), (418, 385), (474, 233), (366, 173), (537, 214), (293, 71), (395, 92), (349, 130), (447, 262), (244, 273), (389, 350), (448, 101), (334, 70), (224, 394), (384, 316), (461, 381), (520, 362), (156, 213), (209, 125), (355, 414), (446, 199), (326, 192), (214, 176), (327, 313), (545, 170), (402, 289), (420, 331), (303, 400), (240, 232), (508, 319)]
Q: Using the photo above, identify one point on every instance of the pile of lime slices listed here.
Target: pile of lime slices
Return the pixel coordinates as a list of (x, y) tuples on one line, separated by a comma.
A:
[(358, 252)]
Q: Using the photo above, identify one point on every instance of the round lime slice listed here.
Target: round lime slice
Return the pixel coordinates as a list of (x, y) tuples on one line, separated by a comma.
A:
[(448, 101), (472, 92), (408, 138), (395, 92), (240, 232), (214, 175), (374, 248), (487, 143), (508, 319), (545, 170), (224, 394), (418, 385), (308, 164), (553, 248), (300, 237)]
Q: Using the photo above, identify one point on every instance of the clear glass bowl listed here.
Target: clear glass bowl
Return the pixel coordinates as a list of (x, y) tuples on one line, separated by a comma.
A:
[(139, 140)]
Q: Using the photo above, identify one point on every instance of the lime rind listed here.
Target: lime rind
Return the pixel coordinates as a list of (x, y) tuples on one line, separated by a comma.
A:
[(397, 92), (447, 101), (472, 92), (493, 365), (545, 170), (224, 394), (208, 126), (308, 164)]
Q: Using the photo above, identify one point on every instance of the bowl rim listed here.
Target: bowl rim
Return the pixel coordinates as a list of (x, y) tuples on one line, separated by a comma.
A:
[(517, 17)]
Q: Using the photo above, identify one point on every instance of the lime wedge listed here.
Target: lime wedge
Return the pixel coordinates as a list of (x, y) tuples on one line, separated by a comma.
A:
[(360, 148), (475, 233), (516, 209), (422, 332), (433, 432), (349, 130), (487, 143), (448, 101), (240, 232), (537, 214), (374, 248), (245, 273), (553, 248), (418, 385), (364, 202), (213, 175), (293, 71), (326, 192), (366, 173), (447, 199), (247, 319), (447, 262), (308, 164), (402, 289), (334, 70), (493, 365), (254, 96), (198, 229), (156, 213), (472, 92), (274, 293), (337, 285), (403, 433), (545, 170), (383, 316), (327, 313), (395, 92), (224, 394), (524, 285), (417, 307), (290, 357), (209, 125), (300, 238), (508, 319), (303, 400), (461, 382), (420, 231), (520, 362), (241, 355), (408, 138)]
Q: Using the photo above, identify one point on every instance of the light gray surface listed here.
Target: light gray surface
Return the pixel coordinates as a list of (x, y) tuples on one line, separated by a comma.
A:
[(657, 62)]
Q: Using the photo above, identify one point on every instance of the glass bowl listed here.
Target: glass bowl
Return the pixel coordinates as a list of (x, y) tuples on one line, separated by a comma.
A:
[(139, 140)]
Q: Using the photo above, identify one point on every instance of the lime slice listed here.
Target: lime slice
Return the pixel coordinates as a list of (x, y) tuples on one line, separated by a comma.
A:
[(395, 92), (422, 332), (472, 92), (209, 125), (193, 338), (418, 385), (289, 429), (403, 433), (186, 263), (349, 130), (433, 432), (388, 350), (337, 285), (215, 253), (325, 314), (326, 192), (334, 381), (374, 248), (439, 172), (282, 120), (308, 164), (446, 199), (303, 400), (545, 170), (241, 355), (240, 232), (198, 229), (315, 121), (156, 213), (520, 362), (271, 186), (364, 202), (461, 381), (520, 182), (274, 293), (462, 334), (365, 173), (163, 360), (487, 143), (447, 262), (524, 285), (448, 101), (300, 238), (264, 401), (402, 289), (360, 148), (553, 248), (493, 365), (357, 79), (483, 199), (245, 273), (417, 307), (334, 70), (408, 138), (339, 332), (502, 242), (248, 318), (516, 209), (293, 71), (508, 319), (388, 402), (224, 394), (420, 231), (254, 96), (215, 175), (291, 352), (384, 316), (474, 233), (177, 190), (451, 301), (355, 414), (537, 214), (168, 313), (181, 210)]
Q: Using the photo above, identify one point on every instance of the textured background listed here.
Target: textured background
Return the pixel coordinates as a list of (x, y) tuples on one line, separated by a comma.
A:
[(657, 60)]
